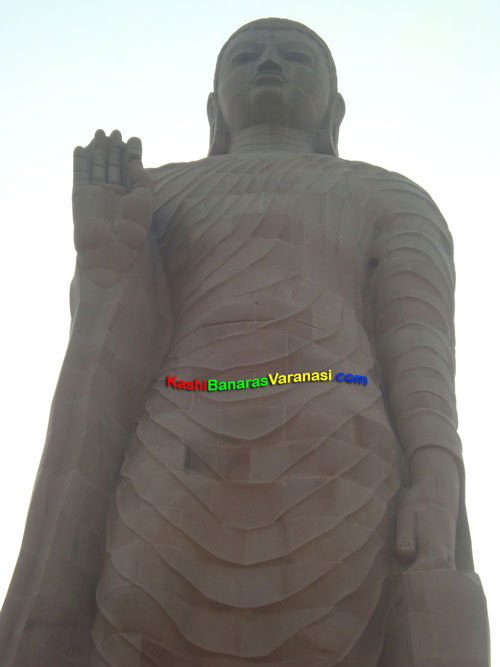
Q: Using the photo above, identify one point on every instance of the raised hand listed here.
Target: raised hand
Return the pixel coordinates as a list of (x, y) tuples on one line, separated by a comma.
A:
[(112, 206)]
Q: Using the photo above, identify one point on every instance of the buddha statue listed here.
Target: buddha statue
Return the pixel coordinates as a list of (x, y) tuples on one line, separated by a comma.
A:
[(303, 524)]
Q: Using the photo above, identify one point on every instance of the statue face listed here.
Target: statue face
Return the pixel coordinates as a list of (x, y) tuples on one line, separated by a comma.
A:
[(273, 76)]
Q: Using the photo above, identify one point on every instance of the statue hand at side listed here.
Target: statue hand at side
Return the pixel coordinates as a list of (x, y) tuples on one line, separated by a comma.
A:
[(427, 516), (112, 206)]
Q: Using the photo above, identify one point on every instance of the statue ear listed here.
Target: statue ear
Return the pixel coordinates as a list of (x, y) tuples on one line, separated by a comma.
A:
[(327, 137), (218, 130)]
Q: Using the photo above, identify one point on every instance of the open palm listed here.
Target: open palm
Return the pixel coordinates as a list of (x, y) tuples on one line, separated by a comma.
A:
[(112, 206)]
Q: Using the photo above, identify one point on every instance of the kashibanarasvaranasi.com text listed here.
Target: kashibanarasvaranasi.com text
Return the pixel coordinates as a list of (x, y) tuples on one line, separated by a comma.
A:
[(270, 379)]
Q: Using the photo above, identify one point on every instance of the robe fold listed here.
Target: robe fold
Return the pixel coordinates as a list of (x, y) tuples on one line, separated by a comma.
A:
[(247, 527)]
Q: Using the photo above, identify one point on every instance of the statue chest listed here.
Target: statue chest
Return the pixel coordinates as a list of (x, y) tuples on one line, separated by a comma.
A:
[(286, 227), (264, 265)]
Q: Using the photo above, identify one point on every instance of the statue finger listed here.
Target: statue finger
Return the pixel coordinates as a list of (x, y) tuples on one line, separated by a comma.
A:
[(134, 149), (80, 166), (99, 158), (138, 176), (115, 169)]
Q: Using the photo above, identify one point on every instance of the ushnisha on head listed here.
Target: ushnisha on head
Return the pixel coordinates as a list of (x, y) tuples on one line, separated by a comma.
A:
[(275, 72)]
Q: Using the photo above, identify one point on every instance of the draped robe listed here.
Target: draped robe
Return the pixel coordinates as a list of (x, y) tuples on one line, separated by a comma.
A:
[(254, 527)]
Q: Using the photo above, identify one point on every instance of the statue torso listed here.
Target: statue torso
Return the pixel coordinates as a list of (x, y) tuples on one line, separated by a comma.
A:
[(265, 510)]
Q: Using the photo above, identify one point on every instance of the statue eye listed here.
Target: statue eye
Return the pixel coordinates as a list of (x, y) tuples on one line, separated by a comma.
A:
[(242, 58), (298, 57)]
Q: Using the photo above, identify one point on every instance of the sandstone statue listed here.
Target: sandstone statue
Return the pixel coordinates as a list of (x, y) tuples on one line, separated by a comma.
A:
[(306, 524)]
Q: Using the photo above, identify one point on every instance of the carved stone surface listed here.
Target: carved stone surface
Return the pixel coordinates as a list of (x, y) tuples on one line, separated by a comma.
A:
[(298, 524)]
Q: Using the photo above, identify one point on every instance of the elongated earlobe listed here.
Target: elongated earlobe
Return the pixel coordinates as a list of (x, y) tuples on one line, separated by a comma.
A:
[(327, 137), (218, 131)]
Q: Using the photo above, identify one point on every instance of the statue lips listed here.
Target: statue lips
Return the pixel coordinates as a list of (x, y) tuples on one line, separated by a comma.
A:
[(270, 75)]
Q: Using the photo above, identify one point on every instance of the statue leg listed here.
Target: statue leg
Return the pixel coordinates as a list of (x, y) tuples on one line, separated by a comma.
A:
[(95, 658), (126, 618), (396, 651), (368, 648)]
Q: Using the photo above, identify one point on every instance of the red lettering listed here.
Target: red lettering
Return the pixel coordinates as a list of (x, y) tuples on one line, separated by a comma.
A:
[(170, 380)]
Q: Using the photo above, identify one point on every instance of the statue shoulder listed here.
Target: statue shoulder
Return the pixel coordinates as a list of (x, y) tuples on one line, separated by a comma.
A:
[(166, 170), (171, 174), (394, 190), (373, 179), (402, 206), (382, 181), (394, 196)]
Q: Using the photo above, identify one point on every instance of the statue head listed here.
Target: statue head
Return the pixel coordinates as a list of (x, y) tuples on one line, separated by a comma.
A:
[(275, 71)]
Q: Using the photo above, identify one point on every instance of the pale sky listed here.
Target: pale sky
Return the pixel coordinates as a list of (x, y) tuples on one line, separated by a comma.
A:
[(420, 80)]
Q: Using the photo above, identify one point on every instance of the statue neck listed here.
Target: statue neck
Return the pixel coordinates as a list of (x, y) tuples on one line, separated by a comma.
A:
[(268, 137)]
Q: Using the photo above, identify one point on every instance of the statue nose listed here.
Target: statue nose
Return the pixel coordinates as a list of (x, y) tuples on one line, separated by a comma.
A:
[(269, 65)]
